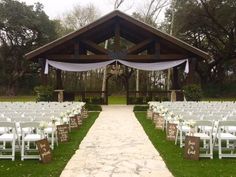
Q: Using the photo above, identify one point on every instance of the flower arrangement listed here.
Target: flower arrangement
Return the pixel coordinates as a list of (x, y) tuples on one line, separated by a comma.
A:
[(191, 123), (43, 125), (53, 119), (169, 116), (179, 118), (76, 111), (68, 112), (65, 120), (62, 115)]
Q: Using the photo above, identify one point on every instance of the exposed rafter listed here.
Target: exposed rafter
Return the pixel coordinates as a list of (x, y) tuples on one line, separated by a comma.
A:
[(93, 47), (117, 37), (139, 47)]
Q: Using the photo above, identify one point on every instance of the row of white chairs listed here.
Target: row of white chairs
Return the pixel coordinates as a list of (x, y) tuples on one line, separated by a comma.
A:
[(17, 132), (212, 126)]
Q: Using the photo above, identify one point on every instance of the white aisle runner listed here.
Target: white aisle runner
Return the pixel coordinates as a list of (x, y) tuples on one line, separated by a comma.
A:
[(116, 146)]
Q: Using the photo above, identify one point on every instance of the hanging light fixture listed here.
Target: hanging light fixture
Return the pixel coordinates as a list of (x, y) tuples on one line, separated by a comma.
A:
[(116, 69)]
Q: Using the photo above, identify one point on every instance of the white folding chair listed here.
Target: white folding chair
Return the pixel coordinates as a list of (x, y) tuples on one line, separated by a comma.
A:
[(51, 134), (183, 129), (223, 135), (9, 136), (29, 138), (205, 137)]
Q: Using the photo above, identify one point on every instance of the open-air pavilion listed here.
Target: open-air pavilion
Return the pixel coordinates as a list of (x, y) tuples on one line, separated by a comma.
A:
[(146, 48)]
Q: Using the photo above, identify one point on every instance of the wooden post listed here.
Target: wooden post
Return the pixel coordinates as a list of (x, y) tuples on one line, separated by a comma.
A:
[(76, 48), (127, 90), (137, 83), (175, 81), (190, 77), (43, 77), (106, 92), (157, 49), (127, 84), (59, 79)]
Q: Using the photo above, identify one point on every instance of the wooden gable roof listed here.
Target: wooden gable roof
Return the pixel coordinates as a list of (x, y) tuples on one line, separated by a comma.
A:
[(74, 46)]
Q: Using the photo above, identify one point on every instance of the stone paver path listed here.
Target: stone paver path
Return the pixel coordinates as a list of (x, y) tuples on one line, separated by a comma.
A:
[(116, 146)]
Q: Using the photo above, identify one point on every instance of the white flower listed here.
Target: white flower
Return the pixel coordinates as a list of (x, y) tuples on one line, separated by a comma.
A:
[(62, 115), (179, 118), (168, 118), (191, 123), (76, 112), (43, 125), (65, 120), (54, 119), (68, 112)]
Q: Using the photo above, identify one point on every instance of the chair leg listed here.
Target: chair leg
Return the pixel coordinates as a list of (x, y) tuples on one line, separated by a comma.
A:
[(52, 140), (219, 144), (204, 143), (227, 143), (22, 150), (211, 148), (56, 138), (181, 139), (176, 137), (28, 145), (13, 150)]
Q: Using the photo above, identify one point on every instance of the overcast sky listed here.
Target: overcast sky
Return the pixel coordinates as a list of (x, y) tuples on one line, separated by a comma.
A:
[(55, 8)]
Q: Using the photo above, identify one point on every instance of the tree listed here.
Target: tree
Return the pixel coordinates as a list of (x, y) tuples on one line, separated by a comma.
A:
[(209, 25), (75, 19), (22, 28), (79, 17), (118, 3), (149, 14), (150, 11)]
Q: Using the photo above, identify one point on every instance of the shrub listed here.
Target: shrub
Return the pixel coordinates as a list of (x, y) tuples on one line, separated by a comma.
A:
[(140, 108), (44, 93), (96, 100), (132, 100), (87, 100), (139, 100), (148, 99), (192, 92), (165, 99)]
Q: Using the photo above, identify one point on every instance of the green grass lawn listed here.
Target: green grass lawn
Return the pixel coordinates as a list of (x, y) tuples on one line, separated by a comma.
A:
[(61, 155), (17, 98), (219, 99), (117, 100), (173, 156)]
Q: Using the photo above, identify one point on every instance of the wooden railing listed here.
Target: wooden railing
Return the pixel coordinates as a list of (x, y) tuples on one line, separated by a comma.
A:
[(142, 97), (93, 96)]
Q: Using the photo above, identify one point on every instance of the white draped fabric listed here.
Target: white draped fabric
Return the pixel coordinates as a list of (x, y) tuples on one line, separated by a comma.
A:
[(156, 66), (76, 67)]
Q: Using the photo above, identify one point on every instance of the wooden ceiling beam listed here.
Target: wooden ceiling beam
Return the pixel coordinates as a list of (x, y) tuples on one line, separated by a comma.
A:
[(106, 57), (139, 47), (157, 48), (93, 47), (117, 37), (76, 47)]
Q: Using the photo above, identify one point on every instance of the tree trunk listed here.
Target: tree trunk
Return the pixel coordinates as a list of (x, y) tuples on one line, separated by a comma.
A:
[(104, 75), (137, 83)]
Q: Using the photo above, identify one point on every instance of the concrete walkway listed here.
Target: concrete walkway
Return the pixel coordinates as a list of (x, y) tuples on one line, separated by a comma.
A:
[(116, 146)]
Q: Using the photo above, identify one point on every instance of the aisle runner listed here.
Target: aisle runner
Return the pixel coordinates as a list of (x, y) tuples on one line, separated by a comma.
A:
[(116, 146)]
